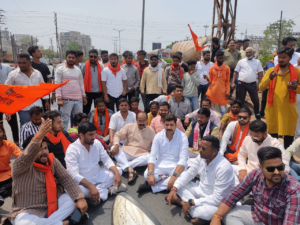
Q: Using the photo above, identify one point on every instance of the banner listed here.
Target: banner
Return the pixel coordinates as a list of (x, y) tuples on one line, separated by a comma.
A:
[(195, 38)]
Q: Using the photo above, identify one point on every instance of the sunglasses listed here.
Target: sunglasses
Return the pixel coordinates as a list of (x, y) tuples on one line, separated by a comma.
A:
[(95, 57), (243, 117), (271, 169)]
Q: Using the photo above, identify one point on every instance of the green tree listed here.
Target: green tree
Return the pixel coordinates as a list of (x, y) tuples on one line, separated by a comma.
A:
[(73, 46), (48, 53), (171, 45)]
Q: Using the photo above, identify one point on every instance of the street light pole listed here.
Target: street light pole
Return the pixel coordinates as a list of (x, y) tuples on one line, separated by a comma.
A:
[(205, 27), (143, 21), (119, 39)]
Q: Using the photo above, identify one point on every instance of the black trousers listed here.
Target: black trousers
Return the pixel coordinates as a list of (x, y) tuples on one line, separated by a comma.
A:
[(251, 89), (5, 188), (13, 123), (130, 95), (263, 102), (114, 102), (149, 98), (90, 97), (288, 140)]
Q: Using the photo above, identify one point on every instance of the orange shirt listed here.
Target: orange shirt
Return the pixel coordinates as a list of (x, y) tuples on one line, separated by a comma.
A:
[(7, 149)]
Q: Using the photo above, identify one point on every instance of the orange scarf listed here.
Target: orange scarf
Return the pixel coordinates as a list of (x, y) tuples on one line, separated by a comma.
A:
[(168, 97), (114, 70), (50, 183), (133, 62), (99, 131), (233, 117), (219, 68), (293, 76), (88, 77), (180, 70), (235, 138), (59, 138)]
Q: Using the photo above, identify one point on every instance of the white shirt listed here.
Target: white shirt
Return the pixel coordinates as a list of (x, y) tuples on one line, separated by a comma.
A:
[(227, 135), (169, 153), (248, 70), (216, 179), (114, 84), (249, 151), (16, 77), (293, 61), (82, 163), (4, 71), (117, 122), (203, 69)]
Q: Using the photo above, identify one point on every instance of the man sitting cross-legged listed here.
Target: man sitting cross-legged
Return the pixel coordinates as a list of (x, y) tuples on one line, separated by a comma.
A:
[(201, 200), (35, 199), (82, 159), (167, 159), (135, 151)]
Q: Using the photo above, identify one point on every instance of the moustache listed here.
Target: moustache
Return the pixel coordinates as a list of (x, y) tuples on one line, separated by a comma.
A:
[(169, 130)]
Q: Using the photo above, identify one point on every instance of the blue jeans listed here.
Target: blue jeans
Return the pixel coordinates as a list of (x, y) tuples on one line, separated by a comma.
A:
[(295, 170), (202, 89), (194, 101), (70, 108), (222, 109), (24, 117)]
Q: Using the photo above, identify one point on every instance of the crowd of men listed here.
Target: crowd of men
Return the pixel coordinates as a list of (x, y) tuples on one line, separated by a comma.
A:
[(245, 174)]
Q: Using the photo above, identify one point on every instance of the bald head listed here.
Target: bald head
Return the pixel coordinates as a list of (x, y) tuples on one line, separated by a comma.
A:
[(141, 119)]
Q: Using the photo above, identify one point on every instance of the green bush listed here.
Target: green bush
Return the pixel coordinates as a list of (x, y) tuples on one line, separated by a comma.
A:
[(168, 60)]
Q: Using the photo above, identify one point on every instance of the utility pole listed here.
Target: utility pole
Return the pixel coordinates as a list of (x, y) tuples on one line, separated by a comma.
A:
[(31, 40), (143, 23), (1, 51), (279, 36), (115, 44), (57, 41), (205, 27), (51, 43), (119, 39), (13, 48)]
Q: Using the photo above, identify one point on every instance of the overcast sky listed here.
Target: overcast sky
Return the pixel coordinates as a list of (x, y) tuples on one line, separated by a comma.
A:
[(165, 20)]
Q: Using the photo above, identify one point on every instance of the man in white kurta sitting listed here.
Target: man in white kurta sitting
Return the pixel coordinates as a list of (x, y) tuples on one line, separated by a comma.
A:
[(201, 200), (82, 160), (135, 151), (167, 159)]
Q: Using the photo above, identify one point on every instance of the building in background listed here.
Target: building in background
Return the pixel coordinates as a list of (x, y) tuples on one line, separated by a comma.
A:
[(84, 41)]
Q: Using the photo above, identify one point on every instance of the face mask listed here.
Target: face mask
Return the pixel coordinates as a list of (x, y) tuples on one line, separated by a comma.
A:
[(250, 57)]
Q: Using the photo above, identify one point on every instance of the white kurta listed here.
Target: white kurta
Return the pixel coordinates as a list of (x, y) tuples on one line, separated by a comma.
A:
[(82, 163), (166, 155), (216, 181)]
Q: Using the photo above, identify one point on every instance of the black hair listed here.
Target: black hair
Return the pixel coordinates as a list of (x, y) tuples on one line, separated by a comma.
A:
[(287, 40), (98, 100), (143, 113), (85, 127), (35, 110), (170, 117), (298, 50), (3, 130), (24, 55), (78, 117), (127, 53), (239, 41), (104, 52), (207, 100), (28, 140), (164, 104), (79, 53), (215, 143), (177, 56), (269, 152), (170, 89), (71, 52), (179, 52), (204, 111), (236, 101), (142, 52), (178, 86), (93, 51), (258, 126), (246, 110), (134, 99), (153, 103), (245, 40), (51, 115), (219, 53), (205, 52), (153, 56), (32, 49), (192, 62), (230, 41), (123, 100), (215, 40), (113, 55), (287, 50)]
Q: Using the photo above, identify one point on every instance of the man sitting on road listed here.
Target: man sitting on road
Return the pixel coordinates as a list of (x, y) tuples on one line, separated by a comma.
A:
[(158, 122), (100, 117), (134, 105), (135, 151), (201, 200), (82, 160), (35, 199), (168, 158), (153, 111)]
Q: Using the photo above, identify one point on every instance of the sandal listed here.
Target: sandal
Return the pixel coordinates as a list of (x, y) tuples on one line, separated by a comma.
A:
[(134, 176)]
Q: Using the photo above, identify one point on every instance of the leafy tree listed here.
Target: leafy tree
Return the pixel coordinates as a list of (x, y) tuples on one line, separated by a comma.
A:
[(171, 45), (25, 41), (48, 53), (264, 57), (73, 46)]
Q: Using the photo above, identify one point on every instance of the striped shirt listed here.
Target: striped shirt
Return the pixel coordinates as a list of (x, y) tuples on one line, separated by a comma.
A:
[(28, 129)]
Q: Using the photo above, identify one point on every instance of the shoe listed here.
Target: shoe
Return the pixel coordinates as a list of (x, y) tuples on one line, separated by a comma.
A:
[(1, 201), (198, 221), (248, 200), (257, 116), (113, 190), (144, 188)]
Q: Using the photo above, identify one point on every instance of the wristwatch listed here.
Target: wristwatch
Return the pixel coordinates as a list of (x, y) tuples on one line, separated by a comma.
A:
[(150, 173), (175, 174), (191, 202)]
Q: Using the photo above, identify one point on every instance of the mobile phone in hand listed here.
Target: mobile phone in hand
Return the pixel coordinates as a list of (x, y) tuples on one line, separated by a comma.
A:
[(76, 216)]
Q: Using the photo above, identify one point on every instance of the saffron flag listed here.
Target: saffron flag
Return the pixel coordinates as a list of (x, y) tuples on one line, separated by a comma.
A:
[(195, 38), (13, 98)]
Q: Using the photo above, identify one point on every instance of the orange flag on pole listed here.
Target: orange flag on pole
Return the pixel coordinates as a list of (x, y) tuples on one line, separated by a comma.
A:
[(13, 98), (195, 38)]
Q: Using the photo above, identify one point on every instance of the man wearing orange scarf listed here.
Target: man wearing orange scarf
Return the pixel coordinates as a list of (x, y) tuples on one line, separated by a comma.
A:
[(114, 83), (174, 73), (100, 117), (283, 82), (35, 197), (58, 140), (92, 79)]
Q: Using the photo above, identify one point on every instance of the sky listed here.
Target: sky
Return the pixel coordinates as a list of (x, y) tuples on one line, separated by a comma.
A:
[(165, 20)]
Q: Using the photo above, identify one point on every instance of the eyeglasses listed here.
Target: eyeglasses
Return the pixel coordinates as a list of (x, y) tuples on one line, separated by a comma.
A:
[(271, 169), (243, 117), (95, 57)]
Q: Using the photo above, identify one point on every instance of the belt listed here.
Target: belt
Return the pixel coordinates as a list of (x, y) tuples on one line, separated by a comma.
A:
[(247, 83), (70, 100)]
